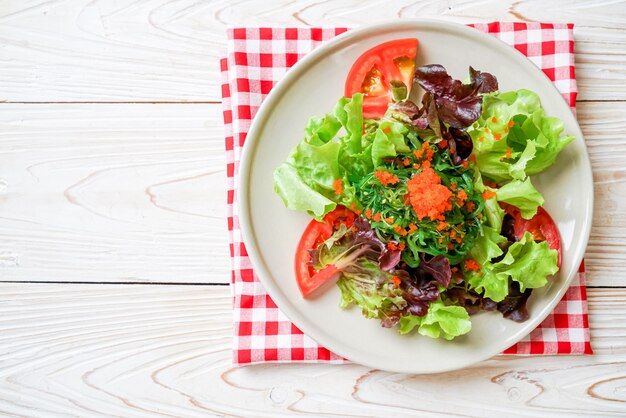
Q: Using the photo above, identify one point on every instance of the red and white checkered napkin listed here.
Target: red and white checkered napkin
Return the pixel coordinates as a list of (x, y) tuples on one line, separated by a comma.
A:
[(260, 57)]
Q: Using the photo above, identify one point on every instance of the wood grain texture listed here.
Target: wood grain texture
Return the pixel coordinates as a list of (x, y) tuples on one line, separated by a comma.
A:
[(166, 50), (136, 192), (604, 125), (109, 192), (145, 350)]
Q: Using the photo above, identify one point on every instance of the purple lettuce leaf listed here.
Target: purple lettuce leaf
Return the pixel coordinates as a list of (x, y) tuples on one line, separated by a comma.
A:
[(470, 300), (513, 306), (420, 286), (407, 107), (451, 106), (484, 82), (347, 246), (460, 144), (459, 112)]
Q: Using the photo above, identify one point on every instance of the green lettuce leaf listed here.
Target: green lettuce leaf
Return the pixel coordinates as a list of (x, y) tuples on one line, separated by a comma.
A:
[(494, 214), (305, 181), (320, 130), (527, 262), (486, 245), (534, 139), (298, 195), (521, 194), (368, 287), (382, 148), (408, 323), (396, 133), (441, 321), (349, 112), (492, 284)]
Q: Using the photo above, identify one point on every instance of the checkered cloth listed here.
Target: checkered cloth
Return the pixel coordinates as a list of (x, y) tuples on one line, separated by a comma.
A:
[(257, 59)]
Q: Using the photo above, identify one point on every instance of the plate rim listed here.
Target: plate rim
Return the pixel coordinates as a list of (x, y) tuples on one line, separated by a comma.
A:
[(250, 146)]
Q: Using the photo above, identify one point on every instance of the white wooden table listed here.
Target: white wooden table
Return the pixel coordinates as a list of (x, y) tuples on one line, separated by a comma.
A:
[(113, 255)]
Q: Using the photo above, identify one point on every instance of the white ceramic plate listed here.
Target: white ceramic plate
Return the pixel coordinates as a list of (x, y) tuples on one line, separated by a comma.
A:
[(271, 232)]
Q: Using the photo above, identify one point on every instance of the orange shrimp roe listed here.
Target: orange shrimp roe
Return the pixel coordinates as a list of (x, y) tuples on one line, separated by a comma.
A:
[(396, 281), (386, 178), (472, 265), (428, 196), (497, 136), (401, 231), (412, 228), (368, 213), (355, 209), (488, 194), (376, 217), (510, 124), (461, 197), (441, 226), (338, 186)]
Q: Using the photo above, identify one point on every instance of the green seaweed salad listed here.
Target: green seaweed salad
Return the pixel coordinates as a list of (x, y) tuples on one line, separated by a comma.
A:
[(427, 214)]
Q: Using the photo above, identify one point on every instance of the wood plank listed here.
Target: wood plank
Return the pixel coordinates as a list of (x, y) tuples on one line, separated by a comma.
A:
[(603, 125), (163, 50), (145, 350), (114, 193)]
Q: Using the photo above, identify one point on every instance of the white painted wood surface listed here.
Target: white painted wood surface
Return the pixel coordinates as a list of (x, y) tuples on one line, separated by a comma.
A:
[(166, 50), (112, 171), (138, 350), (113, 192)]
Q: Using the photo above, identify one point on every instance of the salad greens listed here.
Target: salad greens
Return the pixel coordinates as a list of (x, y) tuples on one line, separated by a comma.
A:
[(434, 188), (515, 120)]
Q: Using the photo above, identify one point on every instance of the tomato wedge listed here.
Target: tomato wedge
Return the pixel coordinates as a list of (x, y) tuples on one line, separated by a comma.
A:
[(373, 71), (316, 233), (541, 226), (341, 215)]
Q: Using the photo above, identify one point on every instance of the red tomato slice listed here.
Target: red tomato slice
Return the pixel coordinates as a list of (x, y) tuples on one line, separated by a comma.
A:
[(316, 233), (541, 226), (341, 215), (372, 72)]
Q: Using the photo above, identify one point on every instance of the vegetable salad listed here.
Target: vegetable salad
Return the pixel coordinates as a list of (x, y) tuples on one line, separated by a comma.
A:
[(425, 212)]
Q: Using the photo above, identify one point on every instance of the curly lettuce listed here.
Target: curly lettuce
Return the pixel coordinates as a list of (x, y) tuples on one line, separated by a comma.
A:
[(441, 321), (306, 181), (513, 138), (526, 262)]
